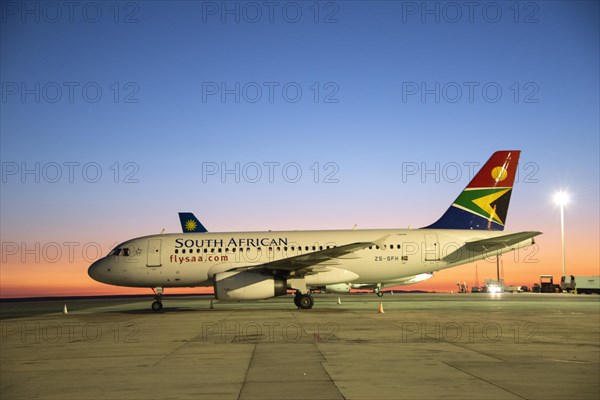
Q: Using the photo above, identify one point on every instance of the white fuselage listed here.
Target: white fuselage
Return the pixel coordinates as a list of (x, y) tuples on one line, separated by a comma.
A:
[(189, 260)]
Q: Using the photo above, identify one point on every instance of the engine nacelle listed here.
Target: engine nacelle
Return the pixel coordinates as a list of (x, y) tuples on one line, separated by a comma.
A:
[(244, 285), (338, 288)]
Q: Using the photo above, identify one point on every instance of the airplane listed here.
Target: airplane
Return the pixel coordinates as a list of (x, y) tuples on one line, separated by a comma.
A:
[(248, 266), (190, 223)]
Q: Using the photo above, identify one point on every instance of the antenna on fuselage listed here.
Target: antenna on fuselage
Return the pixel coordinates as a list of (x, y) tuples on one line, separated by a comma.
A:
[(163, 231)]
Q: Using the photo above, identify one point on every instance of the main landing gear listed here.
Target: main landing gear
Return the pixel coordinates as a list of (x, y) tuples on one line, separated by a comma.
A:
[(304, 301), (157, 305), (378, 291)]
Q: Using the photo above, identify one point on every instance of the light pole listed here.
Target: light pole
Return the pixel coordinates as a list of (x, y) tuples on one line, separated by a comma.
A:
[(562, 198)]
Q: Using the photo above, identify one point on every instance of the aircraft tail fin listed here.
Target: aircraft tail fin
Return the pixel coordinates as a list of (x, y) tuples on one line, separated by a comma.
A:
[(189, 223), (483, 204)]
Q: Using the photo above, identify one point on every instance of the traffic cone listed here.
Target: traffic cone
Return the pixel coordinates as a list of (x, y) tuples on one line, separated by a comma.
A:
[(339, 301), (212, 307), (65, 311), (380, 311)]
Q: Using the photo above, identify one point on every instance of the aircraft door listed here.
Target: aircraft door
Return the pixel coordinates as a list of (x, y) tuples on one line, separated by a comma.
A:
[(154, 253), (431, 247)]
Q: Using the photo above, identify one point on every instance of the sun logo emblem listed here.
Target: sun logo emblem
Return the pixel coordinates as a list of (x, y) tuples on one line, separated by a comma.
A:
[(190, 225), (499, 174)]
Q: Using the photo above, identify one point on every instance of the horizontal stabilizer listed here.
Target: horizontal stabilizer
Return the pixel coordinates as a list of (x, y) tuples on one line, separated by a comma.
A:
[(500, 242), (469, 249)]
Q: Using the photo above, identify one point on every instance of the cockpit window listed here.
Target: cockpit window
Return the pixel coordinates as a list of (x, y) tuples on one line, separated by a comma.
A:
[(120, 251)]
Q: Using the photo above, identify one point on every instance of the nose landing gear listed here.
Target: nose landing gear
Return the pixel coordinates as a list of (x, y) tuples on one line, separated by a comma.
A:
[(157, 305)]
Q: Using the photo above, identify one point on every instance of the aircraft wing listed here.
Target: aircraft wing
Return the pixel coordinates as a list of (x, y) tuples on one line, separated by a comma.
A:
[(488, 245), (301, 264)]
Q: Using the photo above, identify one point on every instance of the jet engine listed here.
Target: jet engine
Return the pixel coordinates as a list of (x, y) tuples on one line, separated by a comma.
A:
[(246, 285)]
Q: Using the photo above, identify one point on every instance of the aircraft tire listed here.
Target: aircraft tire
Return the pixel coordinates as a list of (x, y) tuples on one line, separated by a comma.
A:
[(306, 302), (157, 306)]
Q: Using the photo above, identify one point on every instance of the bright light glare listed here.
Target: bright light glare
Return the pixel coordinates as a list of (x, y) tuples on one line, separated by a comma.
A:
[(561, 198), (494, 289)]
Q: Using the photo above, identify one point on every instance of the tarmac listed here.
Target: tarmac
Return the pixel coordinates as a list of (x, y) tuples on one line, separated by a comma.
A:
[(424, 346)]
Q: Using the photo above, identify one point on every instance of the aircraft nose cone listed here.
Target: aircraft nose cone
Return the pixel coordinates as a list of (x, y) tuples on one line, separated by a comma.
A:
[(94, 270)]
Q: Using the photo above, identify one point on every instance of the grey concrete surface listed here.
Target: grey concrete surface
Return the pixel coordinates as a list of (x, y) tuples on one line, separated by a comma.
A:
[(425, 346)]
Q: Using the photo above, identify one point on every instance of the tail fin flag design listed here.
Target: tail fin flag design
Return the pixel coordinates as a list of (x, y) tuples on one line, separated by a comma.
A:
[(483, 205), (189, 223)]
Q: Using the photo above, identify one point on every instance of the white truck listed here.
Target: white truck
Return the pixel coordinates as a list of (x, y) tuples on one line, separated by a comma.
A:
[(580, 284)]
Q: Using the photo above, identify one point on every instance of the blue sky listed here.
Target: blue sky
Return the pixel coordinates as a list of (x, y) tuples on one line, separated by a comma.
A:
[(355, 67)]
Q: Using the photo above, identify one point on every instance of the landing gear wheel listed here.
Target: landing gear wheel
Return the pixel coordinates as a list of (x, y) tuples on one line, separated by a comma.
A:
[(379, 294), (303, 301), (157, 306), (306, 302)]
